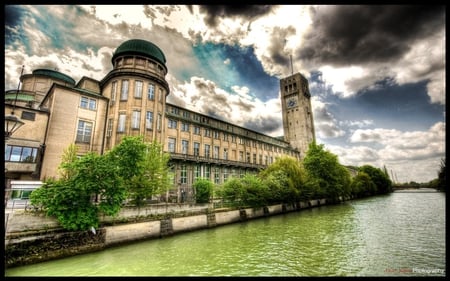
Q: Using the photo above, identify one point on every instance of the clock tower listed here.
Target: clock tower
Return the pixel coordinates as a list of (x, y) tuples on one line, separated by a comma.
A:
[(298, 123)]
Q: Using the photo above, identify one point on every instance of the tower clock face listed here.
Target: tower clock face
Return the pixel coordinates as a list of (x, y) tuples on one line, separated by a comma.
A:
[(291, 102)]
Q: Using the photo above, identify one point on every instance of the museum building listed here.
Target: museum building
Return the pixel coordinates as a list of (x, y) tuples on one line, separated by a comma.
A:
[(130, 100)]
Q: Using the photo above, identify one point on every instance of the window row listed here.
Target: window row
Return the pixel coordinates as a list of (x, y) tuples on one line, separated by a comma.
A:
[(219, 174), (216, 153), (138, 90)]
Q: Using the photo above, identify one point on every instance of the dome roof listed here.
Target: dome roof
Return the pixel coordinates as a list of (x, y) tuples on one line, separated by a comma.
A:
[(54, 74), (140, 47)]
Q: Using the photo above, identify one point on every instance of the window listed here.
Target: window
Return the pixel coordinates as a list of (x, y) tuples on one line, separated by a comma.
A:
[(248, 157), (109, 127), (216, 176), (207, 172), (159, 122), (171, 144), (26, 115), (254, 158), (197, 172), (20, 154), (197, 130), (207, 133), (225, 154), (216, 134), (260, 159), (233, 139), (151, 92), (135, 119), (196, 148), (225, 136), (241, 156), (207, 147), (88, 103), (175, 110), (113, 91), (149, 120), (121, 124), (185, 114), (172, 124), (184, 146), (216, 152), (185, 127), (138, 89), (225, 174), (124, 92), (183, 178), (84, 131)]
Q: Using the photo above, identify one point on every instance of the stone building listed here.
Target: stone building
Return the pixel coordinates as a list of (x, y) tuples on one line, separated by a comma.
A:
[(131, 100)]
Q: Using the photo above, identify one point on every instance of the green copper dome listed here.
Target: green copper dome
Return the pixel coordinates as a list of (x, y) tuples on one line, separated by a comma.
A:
[(140, 47), (54, 74)]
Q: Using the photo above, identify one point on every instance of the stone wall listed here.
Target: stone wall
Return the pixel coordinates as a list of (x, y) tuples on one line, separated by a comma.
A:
[(33, 245)]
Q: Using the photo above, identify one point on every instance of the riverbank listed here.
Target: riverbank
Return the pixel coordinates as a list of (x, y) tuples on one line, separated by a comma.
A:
[(33, 237)]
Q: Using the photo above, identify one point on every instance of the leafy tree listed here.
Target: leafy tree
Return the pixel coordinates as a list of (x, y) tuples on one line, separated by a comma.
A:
[(94, 188), (285, 178), (203, 190), (379, 178), (69, 156), (255, 192), (325, 171), (231, 191), (442, 176), (362, 185), (143, 167)]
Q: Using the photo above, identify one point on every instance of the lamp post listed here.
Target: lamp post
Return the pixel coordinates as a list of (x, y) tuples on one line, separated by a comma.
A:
[(12, 124)]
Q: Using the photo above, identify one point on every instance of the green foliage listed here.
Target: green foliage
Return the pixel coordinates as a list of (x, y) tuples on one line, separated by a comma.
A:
[(379, 178), (203, 190), (248, 191), (284, 179), (326, 172), (143, 167), (441, 185), (69, 156), (362, 185), (231, 191), (94, 188)]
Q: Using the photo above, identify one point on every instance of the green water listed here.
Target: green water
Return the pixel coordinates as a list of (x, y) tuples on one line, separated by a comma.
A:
[(401, 234)]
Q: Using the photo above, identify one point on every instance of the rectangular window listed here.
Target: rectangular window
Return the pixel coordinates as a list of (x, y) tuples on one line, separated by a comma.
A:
[(183, 178), (113, 91), (186, 114), (248, 157), (207, 172), (225, 153), (196, 148), (197, 172), (124, 92), (216, 152), (216, 134), (185, 127), (149, 120), (225, 174), (135, 119), (88, 103), (197, 130), (151, 92), (84, 102), (254, 158), (216, 176), (20, 154), (207, 147), (138, 89), (26, 115), (184, 146), (260, 159), (172, 124), (158, 124), (207, 133), (171, 144), (241, 156), (121, 124), (109, 127), (84, 131)]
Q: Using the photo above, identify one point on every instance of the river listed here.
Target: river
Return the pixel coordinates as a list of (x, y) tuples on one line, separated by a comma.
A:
[(399, 234)]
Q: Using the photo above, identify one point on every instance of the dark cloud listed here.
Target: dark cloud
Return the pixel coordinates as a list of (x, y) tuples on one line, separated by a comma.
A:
[(277, 45), (344, 35), (266, 125), (248, 12)]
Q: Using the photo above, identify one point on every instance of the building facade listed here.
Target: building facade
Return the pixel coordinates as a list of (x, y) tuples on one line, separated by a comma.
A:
[(131, 101)]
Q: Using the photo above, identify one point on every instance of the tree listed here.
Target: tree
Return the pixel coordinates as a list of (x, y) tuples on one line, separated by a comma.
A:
[(362, 185), (203, 190), (93, 188), (143, 167), (284, 178), (442, 176), (379, 178), (324, 169)]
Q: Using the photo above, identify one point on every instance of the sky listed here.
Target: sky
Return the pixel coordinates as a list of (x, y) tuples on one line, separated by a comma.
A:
[(376, 73)]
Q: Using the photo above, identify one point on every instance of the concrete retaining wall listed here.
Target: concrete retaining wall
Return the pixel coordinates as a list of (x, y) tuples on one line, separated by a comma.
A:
[(20, 250)]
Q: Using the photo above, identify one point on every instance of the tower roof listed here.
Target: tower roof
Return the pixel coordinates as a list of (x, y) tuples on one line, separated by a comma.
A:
[(54, 74), (140, 47)]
